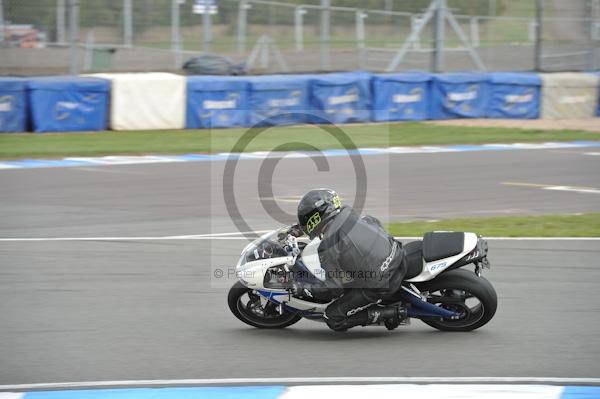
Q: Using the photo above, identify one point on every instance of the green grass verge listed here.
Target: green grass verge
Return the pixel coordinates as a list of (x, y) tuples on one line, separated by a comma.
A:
[(55, 145), (584, 225)]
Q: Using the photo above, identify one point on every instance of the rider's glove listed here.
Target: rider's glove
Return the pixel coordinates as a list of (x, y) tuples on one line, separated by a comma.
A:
[(296, 230), (293, 230), (298, 290)]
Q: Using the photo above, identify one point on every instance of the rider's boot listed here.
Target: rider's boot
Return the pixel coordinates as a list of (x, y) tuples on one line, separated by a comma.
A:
[(391, 316)]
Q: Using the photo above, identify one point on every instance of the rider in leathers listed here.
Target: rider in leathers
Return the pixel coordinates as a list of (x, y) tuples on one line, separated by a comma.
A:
[(363, 264)]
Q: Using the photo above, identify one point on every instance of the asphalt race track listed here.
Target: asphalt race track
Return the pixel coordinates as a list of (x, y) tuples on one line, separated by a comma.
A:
[(112, 308)]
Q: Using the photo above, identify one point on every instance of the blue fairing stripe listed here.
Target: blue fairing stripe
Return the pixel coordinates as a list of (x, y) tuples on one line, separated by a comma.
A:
[(272, 295), (267, 392)]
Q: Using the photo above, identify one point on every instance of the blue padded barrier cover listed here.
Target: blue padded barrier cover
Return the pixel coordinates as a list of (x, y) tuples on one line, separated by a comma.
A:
[(13, 104), (68, 103), (216, 102), (63, 83), (598, 97), (401, 96), (278, 100), (514, 95), (459, 95), (340, 97)]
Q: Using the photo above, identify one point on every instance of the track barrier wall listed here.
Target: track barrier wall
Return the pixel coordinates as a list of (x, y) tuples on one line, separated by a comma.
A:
[(216, 102), (278, 100), (401, 96), (573, 95), (13, 105), (514, 95), (598, 96), (146, 101), (154, 101), (340, 97), (597, 74), (68, 103), (459, 95)]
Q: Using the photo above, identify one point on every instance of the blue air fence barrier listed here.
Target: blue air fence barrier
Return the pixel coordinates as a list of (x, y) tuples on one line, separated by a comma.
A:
[(514, 95), (400, 97), (340, 97), (68, 103), (459, 95), (278, 100), (13, 105), (598, 96), (216, 102)]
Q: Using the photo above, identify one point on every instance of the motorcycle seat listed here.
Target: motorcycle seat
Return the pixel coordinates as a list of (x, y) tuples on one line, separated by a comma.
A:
[(440, 245)]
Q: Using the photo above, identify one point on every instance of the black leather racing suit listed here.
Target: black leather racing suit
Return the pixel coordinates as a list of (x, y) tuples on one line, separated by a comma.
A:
[(362, 263)]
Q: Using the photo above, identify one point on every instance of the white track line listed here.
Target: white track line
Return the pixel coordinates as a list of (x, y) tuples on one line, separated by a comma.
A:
[(587, 190), (521, 238), (43, 239), (307, 380), (217, 236), (541, 238), (228, 236), (574, 189)]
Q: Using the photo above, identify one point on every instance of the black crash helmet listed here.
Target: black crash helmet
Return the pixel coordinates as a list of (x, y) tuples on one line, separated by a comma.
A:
[(316, 208)]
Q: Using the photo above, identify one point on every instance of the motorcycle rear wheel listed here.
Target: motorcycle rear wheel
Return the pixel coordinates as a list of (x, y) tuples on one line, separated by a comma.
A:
[(253, 313), (464, 292)]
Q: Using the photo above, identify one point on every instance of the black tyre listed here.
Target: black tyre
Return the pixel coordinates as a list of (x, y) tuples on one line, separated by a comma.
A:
[(246, 305), (464, 292)]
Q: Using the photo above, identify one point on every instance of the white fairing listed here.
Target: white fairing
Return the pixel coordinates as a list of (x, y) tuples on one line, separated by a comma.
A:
[(310, 257), (298, 304), (252, 274), (432, 269), (241, 260)]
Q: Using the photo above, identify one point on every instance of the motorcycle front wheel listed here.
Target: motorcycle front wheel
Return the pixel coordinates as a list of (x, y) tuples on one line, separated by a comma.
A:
[(463, 292), (248, 307)]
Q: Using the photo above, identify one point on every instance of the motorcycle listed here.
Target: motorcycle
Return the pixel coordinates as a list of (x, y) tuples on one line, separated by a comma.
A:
[(436, 289)]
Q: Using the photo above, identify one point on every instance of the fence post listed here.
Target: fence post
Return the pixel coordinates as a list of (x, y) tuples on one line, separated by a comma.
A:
[(325, 34), (539, 13), (531, 30), (207, 30), (61, 34), (74, 36), (127, 23), (414, 35), (89, 51), (360, 37), (264, 53), (1, 21), (415, 22), (474, 25), (176, 32), (438, 41), (594, 7), (465, 41), (299, 28), (242, 25)]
